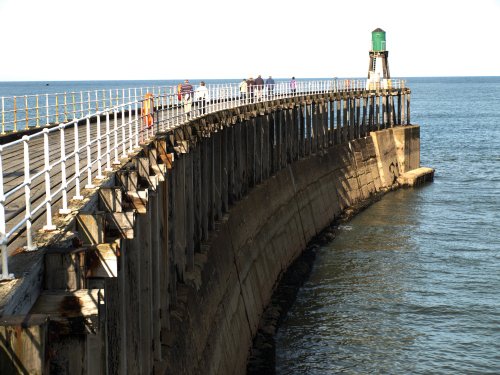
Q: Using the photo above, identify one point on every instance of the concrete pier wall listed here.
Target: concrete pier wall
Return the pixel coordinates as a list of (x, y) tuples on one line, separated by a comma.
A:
[(171, 264)]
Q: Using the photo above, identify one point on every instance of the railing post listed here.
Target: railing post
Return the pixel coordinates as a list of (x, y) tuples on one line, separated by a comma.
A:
[(64, 183), (3, 229), (99, 175), (48, 195), (77, 195), (116, 161), (74, 104), (81, 103), (15, 114), (89, 184), (89, 104), (37, 107), (3, 115), (47, 117), (108, 145), (57, 109), (65, 108), (136, 122), (26, 111)]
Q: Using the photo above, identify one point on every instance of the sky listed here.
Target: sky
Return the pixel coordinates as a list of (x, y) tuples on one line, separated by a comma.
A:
[(45, 40)]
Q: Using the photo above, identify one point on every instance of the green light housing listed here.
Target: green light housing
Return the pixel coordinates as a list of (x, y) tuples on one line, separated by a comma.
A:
[(378, 40)]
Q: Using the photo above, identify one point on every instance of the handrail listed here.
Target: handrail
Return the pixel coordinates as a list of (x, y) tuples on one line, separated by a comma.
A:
[(22, 112), (84, 147)]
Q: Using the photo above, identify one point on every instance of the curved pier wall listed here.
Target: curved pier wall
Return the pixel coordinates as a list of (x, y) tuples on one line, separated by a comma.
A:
[(262, 234)]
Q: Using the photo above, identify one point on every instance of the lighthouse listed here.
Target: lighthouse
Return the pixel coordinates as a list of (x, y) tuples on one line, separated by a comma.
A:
[(378, 70)]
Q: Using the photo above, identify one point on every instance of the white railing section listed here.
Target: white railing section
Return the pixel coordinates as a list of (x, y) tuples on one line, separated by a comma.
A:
[(61, 160)]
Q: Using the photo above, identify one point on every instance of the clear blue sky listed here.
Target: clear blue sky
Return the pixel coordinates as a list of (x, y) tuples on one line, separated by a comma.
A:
[(158, 39)]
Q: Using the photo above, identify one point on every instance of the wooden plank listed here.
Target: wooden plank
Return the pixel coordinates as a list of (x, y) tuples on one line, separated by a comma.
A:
[(114, 322), (24, 344)]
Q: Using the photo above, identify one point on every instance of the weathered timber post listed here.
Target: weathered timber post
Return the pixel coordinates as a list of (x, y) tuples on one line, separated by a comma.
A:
[(231, 162), (398, 118), (352, 116), (114, 324), (132, 308), (190, 208), (224, 170), (217, 174), (358, 115), (377, 110), (205, 188), (308, 129), (211, 184), (331, 122), (266, 147), (250, 137), (257, 125), (295, 136), (284, 138), (408, 122), (197, 193), (271, 141), (340, 130), (302, 130), (403, 105), (156, 271), (315, 126), (323, 123), (288, 136), (384, 109), (143, 246), (24, 344), (238, 160), (364, 119), (171, 221), (326, 132), (347, 131)]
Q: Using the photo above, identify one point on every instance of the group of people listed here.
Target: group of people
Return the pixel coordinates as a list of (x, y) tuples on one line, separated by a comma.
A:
[(256, 88), (186, 93), (249, 88)]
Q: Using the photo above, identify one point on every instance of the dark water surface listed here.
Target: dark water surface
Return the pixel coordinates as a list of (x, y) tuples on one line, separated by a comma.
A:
[(412, 284)]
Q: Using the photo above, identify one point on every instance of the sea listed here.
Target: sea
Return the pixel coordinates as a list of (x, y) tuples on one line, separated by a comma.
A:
[(412, 284)]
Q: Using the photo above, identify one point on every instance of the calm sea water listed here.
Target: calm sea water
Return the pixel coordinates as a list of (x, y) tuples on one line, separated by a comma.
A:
[(412, 284)]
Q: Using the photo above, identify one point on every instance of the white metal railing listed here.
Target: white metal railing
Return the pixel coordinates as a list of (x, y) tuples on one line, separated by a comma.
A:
[(59, 161)]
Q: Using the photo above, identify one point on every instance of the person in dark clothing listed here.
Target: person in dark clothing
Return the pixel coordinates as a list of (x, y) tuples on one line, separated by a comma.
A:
[(186, 88), (259, 86), (250, 87), (270, 86)]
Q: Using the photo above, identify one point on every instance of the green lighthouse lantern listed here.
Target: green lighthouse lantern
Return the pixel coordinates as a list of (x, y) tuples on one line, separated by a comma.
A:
[(378, 68), (378, 40)]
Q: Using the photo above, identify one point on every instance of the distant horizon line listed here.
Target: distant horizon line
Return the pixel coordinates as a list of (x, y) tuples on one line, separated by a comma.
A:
[(236, 79)]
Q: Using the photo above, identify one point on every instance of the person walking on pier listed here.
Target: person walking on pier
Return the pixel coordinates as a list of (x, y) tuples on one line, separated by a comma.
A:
[(250, 86), (187, 96), (293, 86), (201, 99), (270, 86), (259, 87), (243, 89)]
